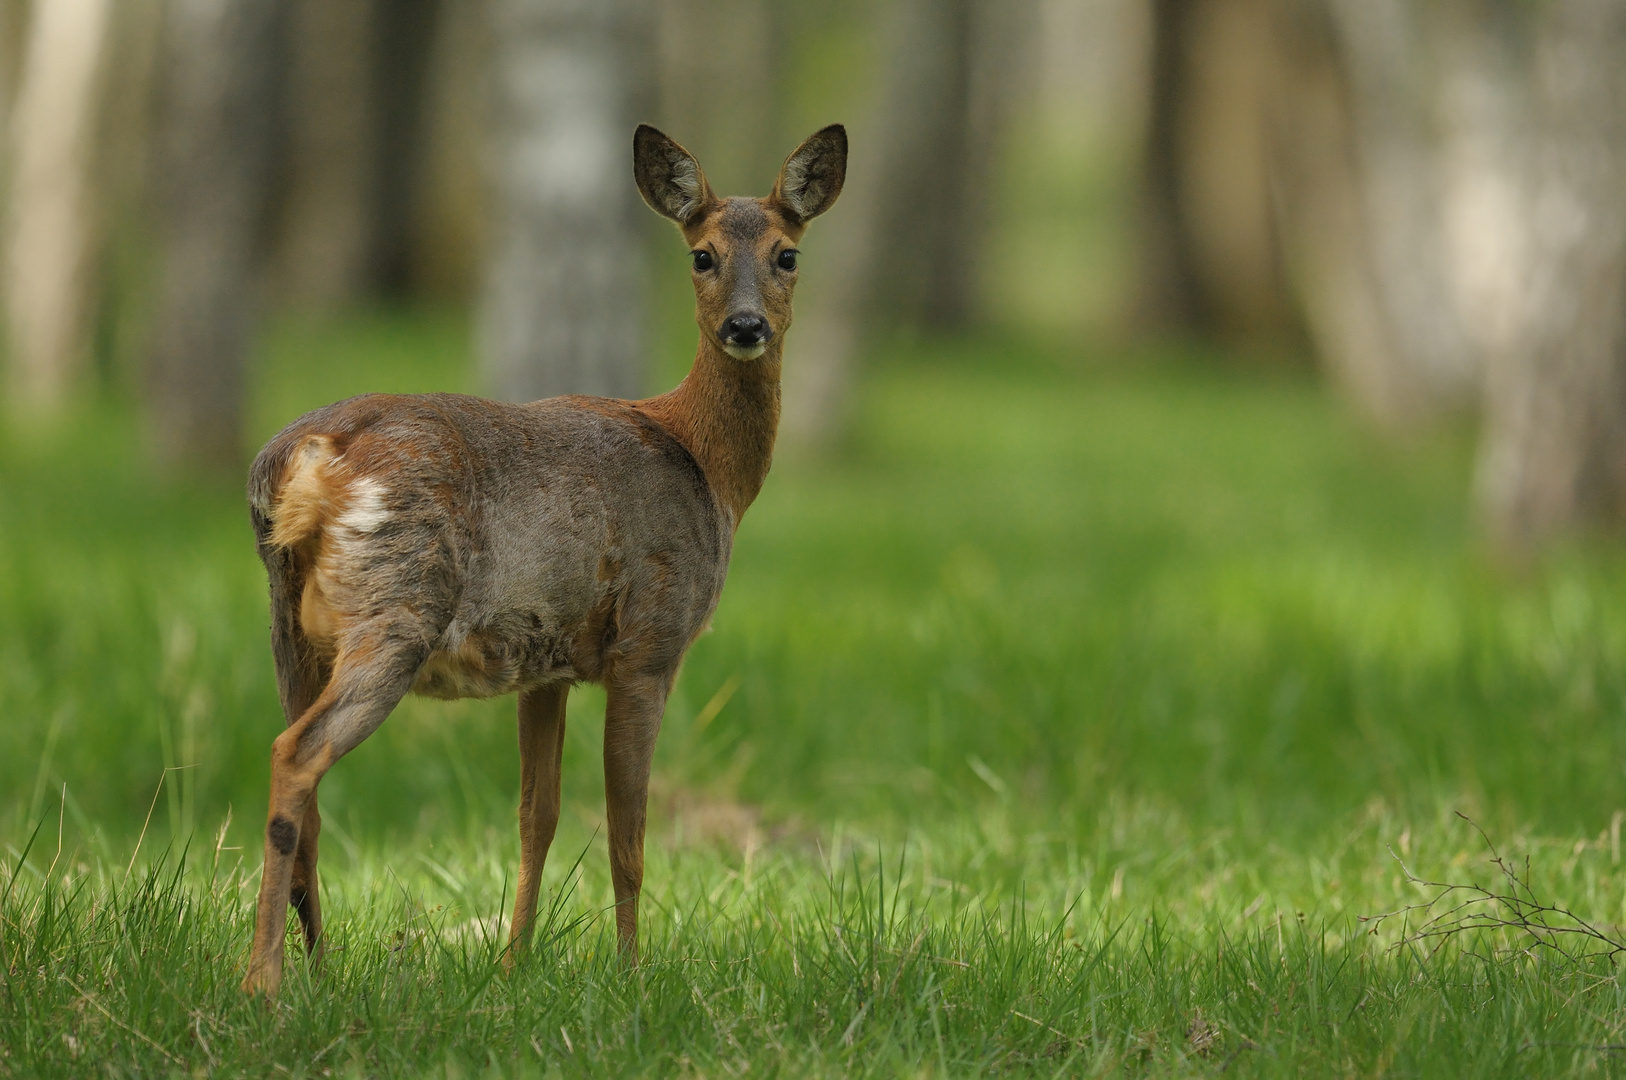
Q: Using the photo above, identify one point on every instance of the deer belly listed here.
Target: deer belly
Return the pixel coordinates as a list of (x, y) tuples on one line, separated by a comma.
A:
[(482, 666)]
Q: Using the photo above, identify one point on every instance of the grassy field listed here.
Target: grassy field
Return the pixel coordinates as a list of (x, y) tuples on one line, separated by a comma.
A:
[(1065, 723)]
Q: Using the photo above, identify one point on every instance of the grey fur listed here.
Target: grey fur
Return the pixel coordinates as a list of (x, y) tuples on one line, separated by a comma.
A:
[(742, 221), (519, 544)]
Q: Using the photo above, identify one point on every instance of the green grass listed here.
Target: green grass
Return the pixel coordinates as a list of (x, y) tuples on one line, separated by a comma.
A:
[(1071, 712)]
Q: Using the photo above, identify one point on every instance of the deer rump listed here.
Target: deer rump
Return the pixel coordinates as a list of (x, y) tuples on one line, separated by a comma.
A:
[(506, 545)]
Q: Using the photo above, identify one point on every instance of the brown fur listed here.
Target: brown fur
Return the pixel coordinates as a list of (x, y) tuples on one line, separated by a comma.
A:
[(456, 547), (306, 496)]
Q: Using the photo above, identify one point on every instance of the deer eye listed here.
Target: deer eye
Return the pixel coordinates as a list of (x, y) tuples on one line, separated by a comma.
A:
[(702, 260), (787, 259)]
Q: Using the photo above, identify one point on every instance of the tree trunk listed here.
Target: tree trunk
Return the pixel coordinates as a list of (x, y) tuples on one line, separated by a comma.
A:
[(355, 128), (448, 217), (13, 22), (218, 123), (404, 41), (50, 234), (564, 304), (1553, 449), (1210, 249), (1327, 227), (13, 34), (905, 247), (324, 251), (1395, 90), (1482, 113), (1171, 293), (728, 118), (829, 323), (126, 175), (933, 170)]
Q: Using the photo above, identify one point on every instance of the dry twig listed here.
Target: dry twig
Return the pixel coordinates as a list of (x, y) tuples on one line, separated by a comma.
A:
[(1457, 909)]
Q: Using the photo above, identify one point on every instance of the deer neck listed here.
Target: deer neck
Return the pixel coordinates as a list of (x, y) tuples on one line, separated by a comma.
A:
[(726, 413)]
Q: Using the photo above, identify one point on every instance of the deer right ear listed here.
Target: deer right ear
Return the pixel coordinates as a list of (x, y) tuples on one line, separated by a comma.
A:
[(668, 176)]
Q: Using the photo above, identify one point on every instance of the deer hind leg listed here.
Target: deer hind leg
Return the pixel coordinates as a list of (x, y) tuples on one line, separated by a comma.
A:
[(303, 895), (368, 680), (632, 720), (302, 672), (541, 748), (302, 675)]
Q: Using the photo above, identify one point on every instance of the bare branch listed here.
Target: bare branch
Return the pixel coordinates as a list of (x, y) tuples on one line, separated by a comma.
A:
[(1456, 909)]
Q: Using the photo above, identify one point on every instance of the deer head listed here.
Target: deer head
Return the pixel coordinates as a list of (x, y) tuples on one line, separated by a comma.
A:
[(743, 250)]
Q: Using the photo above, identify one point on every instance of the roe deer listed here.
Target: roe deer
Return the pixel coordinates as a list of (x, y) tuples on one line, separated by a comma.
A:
[(457, 547)]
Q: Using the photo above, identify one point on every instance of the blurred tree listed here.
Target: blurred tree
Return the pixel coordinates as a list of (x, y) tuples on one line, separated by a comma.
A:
[(1172, 287), (944, 105), (352, 153), (13, 31), (404, 40), (1325, 226), (447, 200), (221, 66), (1391, 58), (1553, 444), (1210, 258), (1480, 105), (563, 303), (50, 233), (1305, 133), (13, 21), (915, 220), (324, 251), (125, 174), (728, 116), (1453, 177)]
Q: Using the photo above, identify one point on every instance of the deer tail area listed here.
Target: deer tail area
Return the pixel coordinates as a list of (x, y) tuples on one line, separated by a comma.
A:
[(297, 502), (289, 497)]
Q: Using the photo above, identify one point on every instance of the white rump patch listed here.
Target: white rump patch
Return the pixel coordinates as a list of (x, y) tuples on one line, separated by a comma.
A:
[(366, 511)]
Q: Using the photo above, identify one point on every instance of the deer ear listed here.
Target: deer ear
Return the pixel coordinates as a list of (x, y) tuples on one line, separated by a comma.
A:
[(668, 176), (813, 175)]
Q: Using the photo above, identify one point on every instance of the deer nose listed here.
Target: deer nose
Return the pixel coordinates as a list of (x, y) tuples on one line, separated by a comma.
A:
[(745, 329)]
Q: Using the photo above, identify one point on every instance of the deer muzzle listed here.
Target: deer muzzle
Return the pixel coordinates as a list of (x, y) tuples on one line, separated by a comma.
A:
[(745, 335)]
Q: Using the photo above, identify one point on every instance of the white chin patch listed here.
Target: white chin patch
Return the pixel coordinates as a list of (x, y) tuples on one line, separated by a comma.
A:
[(746, 352)]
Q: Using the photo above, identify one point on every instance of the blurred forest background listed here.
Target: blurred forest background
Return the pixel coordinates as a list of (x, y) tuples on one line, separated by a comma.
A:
[(1427, 198), (1204, 457)]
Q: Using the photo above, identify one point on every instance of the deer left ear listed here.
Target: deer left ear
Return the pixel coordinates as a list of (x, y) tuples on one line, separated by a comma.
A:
[(813, 175)]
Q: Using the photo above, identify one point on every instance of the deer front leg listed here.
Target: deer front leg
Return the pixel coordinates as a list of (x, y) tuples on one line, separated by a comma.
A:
[(632, 719), (541, 748), (356, 700)]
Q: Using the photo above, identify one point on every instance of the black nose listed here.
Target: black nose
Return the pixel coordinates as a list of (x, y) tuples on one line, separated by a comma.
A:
[(745, 329)]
